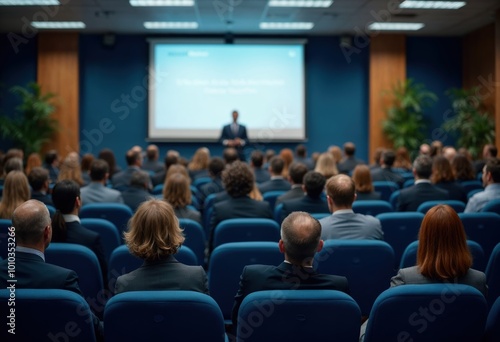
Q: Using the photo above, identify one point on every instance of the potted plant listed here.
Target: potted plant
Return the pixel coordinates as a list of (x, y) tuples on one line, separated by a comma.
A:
[(405, 123), (32, 124), (471, 124)]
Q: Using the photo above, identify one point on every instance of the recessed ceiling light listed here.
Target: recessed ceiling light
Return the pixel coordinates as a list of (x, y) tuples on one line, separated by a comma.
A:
[(162, 3), (432, 4), (58, 24), (29, 2), (187, 25), (395, 26), (286, 26), (300, 3)]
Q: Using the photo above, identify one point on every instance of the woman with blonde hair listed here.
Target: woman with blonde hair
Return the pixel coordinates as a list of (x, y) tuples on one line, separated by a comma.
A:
[(16, 191), (154, 235), (177, 192), (198, 167), (363, 184), (326, 165), (70, 169)]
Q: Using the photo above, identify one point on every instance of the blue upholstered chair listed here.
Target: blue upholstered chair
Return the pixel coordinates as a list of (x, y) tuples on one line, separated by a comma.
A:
[(472, 185), (386, 188), (195, 238), (493, 275), (492, 333), (163, 316), (428, 313), (110, 237), (367, 264), (246, 229), (48, 315), (297, 316), (482, 228), (492, 206), (372, 207), (4, 237), (394, 200), (458, 206), (116, 213), (271, 196)]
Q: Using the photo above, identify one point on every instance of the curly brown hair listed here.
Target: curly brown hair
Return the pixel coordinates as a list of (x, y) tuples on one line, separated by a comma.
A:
[(238, 179)]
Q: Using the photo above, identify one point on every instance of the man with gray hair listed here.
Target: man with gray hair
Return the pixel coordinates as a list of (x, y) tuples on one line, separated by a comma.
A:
[(33, 232), (300, 240), (137, 191), (423, 191)]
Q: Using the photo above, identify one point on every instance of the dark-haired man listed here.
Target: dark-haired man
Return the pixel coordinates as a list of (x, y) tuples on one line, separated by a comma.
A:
[(385, 171), (491, 182), (39, 182), (350, 161), (277, 181), (97, 191), (235, 135)]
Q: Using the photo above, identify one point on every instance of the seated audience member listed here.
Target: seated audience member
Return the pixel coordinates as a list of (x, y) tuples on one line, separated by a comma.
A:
[(377, 158), (363, 184), (87, 160), (436, 148), (177, 192), (491, 183), (137, 191), (52, 165), (349, 162), (300, 240), (489, 151), (16, 191), (269, 154), (465, 152), (215, 168), (154, 235), (33, 235), (198, 167), (449, 152), (402, 160), (326, 165), (230, 155), (336, 153), (462, 167), (313, 186), (108, 156), (256, 161), (423, 191), (277, 181), (301, 157), (442, 177), (171, 158), (151, 163), (238, 181), (385, 171), (97, 191), (38, 179), (344, 223), (66, 224), (424, 150), (13, 164), (121, 179), (70, 169), (296, 175), (33, 161), (255, 193), (287, 155)]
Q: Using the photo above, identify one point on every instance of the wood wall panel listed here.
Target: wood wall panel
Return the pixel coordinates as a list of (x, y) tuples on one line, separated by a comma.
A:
[(57, 72), (387, 67)]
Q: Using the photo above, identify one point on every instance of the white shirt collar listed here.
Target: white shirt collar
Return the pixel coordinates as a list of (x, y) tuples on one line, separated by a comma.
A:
[(343, 211), (419, 181), (71, 218)]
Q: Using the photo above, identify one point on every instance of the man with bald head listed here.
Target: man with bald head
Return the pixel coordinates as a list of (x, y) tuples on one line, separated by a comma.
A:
[(344, 223), (300, 240), (33, 232)]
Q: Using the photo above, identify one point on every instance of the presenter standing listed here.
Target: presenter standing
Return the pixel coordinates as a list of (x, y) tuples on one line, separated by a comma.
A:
[(235, 135)]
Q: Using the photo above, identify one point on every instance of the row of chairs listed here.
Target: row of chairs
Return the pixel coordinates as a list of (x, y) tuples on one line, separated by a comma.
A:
[(454, 313)]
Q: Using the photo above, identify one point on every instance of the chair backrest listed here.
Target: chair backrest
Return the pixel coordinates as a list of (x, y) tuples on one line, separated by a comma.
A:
[(195, 238), (83, 261), (226, 264), (492, 206), (386, 188), (47, 315), (271, 196), (51, 209), (400, 229), (162, 316), (372, 207), (157, 189), (472, 185), (473, 192), (277, 213), (117, 213), (428, 312), (199, 182), (482, 228), (298, 315), (408, 183), (458, 206), (246, 229), (110, 237), (207, 212), (493, 275), (359, 260), (394, 199), (4, 237), (319, 216), (409, 257), (492, 332)]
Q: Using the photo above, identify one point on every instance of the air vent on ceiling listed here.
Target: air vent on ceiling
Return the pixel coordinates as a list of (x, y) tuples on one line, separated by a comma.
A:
[(405, 15)]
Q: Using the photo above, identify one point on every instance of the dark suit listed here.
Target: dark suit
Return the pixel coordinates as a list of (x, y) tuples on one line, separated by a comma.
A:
[(195, 174), (159, 177), (133, 196), (348, 164), (293, 193), (261, 175), (455, 190), (276, 184), (410, 198), (33, 273), (308, 162), (228, 134), (213, 187), (188, 214), (283, 277), (164, 274), (152, 165), (363, 196), (121, 180), (387, 174), (44, 198), (305, 203)]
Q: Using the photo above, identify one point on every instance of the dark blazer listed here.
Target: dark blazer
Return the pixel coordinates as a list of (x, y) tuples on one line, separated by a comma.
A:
[(237, 207), (44, 198), (164, 274), (455, 190), (188, 214), (159, 177), (152, 165), (277, 184), (283, 277), (228, 134), (121, 180), (261, 175), (348, 164), (293, 193), (362, 196), (387, 174), (308, 162), (194, 174), (78, 234), (133, 196), (305, 203), (410, 198), (213, 187)]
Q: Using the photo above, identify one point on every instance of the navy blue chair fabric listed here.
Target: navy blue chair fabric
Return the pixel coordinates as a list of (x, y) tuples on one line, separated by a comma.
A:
[(163, 316), (51, 209), (400, 229), (372, 207), (472, 185), (473, 192), (319, 216), (48, 315), (157, 189), (408, 183), (492, 333), (492, 206), (394, 200), (110, 237), (199, 182), (458, 206), (195, 238), (226, 264), (277, 213), (297, 316), (116, 213), (246, 229), (367, 264), (493, 275), (4, 237), (428, 313), (482, 228), (386, 188), (271, 197)]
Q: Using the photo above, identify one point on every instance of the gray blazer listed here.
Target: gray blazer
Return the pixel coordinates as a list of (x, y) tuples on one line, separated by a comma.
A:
[(412, 275), (348, 225), (97, 193)]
